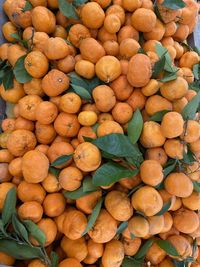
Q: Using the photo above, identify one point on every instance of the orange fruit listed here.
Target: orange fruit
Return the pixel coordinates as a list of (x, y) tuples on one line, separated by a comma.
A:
[(35, 166), (51, 184), (14, 94), (178, 184), (116, 10), (138, 226), (128, 48), (70, 262), (104, 98), (131, 246), (157, 103), (191, 132), (155, 254), (87, 118), (85, 69), (55, 82), (34, 87), (147, 200), (113, 253), (172, 124), (174, 148), (86, 131), (127, 31), (97, 50), (54, 204), (43, 19), (4, 172), (108, 68), (92, 15), (20, 142), (21, 123), (151, 172), (30, 210), (112, 23), (87, 157), (87, 203), (121, 88), (136, 100), (139, 71), (122, 112), (4, 189), (77, 33), (181, 244), (111, 48), (67, 124), (143, 20), (46, 112), (109, 127), (70, 178), (131, 5), (104, 228), (118, 205), (66, 64), (8, 29), (5, 259), (70, 103), (36, 64), (28, 105), (56, 48)]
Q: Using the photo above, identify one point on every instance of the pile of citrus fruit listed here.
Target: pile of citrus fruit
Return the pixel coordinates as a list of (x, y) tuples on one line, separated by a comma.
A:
[(100, 149)]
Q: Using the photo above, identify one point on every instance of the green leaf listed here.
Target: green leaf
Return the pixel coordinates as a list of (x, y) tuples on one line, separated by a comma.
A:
[(3, 232), (131, 262), (191, 108), (78, 3), (82, 92), (195, 86), (135, 189), (95, 126), (77, 193), (173, 4), (188, 157), (54, 171), (168, 247), (54, 259), (21, 75), (165, 207), (161, 50), (196, 71), (8, 80), (167, 170), (93, 216), (67, 9), (169, 77), (27, 7), (158, 115), (111, 172), (141, 51), (158, 67), (197, 50), (118, 145), (135, 126), (143, 250), (61, 160), (121, 227), (88, 185), (35, 231), (196, 186), (19, 39), (19, 228), (20, 251), (9, 206)]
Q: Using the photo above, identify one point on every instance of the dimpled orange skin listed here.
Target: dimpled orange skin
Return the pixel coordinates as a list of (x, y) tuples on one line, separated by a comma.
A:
[(139, 70), (147, 200), (178, 184), (151, 172), (151, 135), (87, 157), (35, 166), (36, 64), (70, 262), (20, 142), (172, 124), (181, 216), (118, 205), (155, 254), (113, 254), (74, 224), (104, 228), (55, 83), (75, 248)]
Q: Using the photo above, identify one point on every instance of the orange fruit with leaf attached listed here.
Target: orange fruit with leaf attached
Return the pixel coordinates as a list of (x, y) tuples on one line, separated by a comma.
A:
[(43, 19), (8, 29), (87, 203), (104, 228), (181, 244), (14, 94), (4, 189), (155, 254), (192, 131)]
